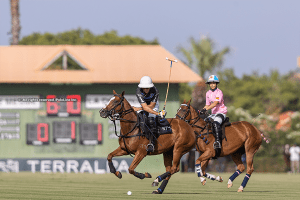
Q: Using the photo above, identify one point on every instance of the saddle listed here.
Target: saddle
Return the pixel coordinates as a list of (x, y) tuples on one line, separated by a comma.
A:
[(223, 125), (162, 126)]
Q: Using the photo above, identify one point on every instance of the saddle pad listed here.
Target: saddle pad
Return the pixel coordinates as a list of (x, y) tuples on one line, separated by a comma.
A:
[(164, 126)]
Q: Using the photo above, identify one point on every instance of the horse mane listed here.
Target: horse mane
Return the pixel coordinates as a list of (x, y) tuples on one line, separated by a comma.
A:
[(127, 103), (192, 109)]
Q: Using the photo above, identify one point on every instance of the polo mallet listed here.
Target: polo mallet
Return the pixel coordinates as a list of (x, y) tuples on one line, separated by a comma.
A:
[(168, 59)]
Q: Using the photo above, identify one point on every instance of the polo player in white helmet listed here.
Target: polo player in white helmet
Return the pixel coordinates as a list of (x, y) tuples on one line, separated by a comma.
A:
[(215, 101), (148, 97)]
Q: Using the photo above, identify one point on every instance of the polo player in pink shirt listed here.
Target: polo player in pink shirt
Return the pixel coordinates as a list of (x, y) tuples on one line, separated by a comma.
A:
[(215, 101)]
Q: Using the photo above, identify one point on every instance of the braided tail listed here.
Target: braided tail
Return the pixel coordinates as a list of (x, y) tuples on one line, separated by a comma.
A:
[(265, 139)]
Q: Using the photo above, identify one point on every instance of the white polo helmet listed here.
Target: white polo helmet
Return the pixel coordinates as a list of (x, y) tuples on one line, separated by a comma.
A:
[(146, 82), (212, 78)]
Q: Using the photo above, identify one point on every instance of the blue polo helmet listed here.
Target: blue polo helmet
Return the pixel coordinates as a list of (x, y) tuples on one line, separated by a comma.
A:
[(212, 78)]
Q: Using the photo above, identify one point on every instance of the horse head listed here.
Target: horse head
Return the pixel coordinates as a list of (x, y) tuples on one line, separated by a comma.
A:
[(114, 107), (187, 113), (184, 112)]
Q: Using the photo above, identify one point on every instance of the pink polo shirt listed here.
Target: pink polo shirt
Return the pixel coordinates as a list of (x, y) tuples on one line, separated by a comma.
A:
[(217, 95)]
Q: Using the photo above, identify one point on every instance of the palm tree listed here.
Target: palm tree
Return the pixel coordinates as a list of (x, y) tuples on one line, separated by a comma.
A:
[(203, 57), (15, 21)]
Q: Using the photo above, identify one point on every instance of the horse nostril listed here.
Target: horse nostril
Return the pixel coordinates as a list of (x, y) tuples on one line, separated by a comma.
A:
[(102, 113)]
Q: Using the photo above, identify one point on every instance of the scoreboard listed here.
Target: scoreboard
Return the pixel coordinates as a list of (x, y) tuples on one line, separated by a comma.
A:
[(55, 119), (62, 123), (63, 105)]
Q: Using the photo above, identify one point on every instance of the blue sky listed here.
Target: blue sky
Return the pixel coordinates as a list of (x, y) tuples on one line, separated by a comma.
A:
[(263, 34)]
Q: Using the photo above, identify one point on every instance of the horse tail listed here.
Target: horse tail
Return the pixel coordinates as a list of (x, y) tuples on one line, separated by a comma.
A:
[(264, 137)]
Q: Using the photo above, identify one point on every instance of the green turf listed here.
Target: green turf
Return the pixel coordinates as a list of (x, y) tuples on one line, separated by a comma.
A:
[(107, 186)]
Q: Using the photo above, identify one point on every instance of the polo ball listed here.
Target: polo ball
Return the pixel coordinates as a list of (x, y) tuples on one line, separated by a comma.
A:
[(129, 193)]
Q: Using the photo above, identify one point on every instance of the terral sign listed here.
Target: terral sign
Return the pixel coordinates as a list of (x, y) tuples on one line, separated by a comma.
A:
[(89, 165)]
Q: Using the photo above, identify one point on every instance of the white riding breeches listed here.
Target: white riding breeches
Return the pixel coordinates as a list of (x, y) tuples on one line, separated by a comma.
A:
[(217, 118)]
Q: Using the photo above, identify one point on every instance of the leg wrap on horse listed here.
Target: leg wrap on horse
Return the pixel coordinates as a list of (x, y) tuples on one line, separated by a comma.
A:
[(245, 181), (210, 176), (112, 169), (199, 170), (162, 186), (139, 175), (163, 176), (233, 176)]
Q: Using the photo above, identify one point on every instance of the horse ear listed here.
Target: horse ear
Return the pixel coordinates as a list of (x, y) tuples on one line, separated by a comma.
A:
[(188, 103), (184, 102), (114, 92), (123, 93)]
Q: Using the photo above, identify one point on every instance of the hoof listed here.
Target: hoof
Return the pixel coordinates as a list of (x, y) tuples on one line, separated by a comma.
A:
[(156, 192), (154, 184), (229, 185), (147, 175), (221, 179), (118, 174), (203, 182), (240, 189)]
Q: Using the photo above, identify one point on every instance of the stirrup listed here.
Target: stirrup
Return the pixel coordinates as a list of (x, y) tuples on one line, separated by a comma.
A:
[(150, 147), (217, 145)]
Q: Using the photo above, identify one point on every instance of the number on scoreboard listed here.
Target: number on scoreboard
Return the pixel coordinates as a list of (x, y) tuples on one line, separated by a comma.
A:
[(90, 134), (64, 132), (63, 105), (37, 134)]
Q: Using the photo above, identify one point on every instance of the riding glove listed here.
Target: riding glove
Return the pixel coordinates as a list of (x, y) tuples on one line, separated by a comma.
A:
[(162, 113), (203, 111)]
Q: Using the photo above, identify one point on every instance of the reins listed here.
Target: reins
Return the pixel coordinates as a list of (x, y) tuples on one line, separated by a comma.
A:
[(192, 122), (118, 116)]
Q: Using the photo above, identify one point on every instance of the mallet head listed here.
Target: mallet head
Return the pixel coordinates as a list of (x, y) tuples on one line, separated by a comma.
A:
[(171, 60)]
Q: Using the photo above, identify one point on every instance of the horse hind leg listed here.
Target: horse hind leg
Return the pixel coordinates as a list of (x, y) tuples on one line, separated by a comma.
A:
[(250, 151), (171, 168), (165, 177), (237, 159)]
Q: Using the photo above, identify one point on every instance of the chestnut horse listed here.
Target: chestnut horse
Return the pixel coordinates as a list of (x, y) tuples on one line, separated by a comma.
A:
[(173, 146), (241, 137)]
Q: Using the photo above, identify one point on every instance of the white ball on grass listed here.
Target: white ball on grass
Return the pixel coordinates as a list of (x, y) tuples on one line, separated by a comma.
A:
[(129, 193)]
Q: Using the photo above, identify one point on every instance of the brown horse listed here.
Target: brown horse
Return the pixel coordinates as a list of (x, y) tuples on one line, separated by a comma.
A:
[(241, 137), (173, 146)]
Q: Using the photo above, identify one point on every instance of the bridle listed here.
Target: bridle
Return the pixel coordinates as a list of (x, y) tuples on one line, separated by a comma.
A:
[(114, 115), (192, 122)]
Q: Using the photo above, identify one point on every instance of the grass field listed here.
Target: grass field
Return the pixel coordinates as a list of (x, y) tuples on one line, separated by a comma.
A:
[(181, 186)]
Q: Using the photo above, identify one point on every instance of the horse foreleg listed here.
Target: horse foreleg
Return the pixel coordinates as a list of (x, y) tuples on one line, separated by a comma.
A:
[(237, 159), (204, 157), (207, 175), (117, 152), (137, 159)]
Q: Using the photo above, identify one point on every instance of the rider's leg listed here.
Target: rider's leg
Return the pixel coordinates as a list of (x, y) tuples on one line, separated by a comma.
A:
[(153, 130), (218, 120), (217, 129)]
